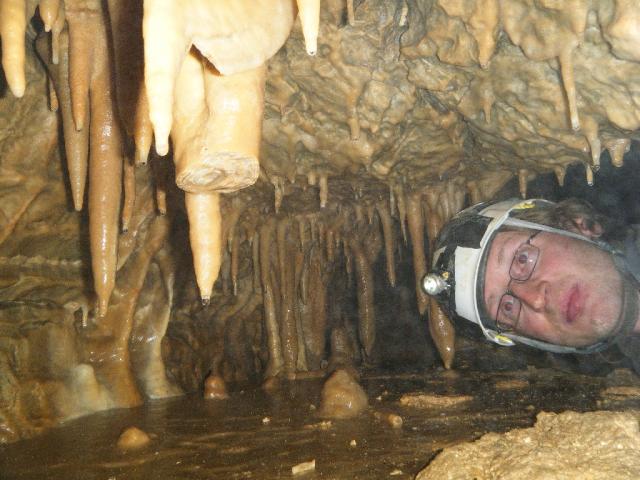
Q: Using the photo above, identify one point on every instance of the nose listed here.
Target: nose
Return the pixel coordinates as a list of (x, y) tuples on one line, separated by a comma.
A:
[(532, 293)]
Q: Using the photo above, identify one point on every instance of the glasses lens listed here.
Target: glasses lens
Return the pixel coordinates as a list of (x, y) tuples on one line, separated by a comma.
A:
[(524, 261), (508, 313)]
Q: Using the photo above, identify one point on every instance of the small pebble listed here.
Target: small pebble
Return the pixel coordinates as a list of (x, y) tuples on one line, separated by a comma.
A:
[(353, 443), (266, 421), (304, 467)]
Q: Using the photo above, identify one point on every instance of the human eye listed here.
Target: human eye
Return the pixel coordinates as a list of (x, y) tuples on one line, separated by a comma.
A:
[(508, 311), (523, 263)]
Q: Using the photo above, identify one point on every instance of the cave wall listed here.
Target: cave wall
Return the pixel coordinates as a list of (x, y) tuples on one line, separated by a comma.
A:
[(408, 111)]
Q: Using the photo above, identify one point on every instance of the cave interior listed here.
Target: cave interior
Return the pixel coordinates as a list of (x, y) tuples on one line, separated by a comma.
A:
[(212, 213)]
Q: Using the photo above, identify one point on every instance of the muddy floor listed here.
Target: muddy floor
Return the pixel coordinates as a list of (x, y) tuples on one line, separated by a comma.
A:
[(256, 435)]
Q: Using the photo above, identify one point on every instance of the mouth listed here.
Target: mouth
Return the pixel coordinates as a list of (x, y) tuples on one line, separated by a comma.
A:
[(573, 304)]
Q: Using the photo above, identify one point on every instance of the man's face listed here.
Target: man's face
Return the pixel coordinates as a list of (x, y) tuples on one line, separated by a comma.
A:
[(573, 296)]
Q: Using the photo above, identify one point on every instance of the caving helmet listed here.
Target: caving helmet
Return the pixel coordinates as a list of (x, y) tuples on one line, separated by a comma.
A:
[(459, 266)]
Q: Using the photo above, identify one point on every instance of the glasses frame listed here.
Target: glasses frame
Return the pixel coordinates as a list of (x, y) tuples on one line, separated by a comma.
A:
[(500, 326)]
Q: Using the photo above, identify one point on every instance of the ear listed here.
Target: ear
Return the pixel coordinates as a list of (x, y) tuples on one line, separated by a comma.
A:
[(590, 231)]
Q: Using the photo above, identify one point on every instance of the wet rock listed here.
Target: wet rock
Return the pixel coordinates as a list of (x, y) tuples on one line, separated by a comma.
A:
[(133, 439), (215, 388), (342, 396)]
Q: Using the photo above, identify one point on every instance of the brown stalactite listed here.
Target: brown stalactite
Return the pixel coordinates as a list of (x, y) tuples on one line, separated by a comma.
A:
[(275, 362), (389, 247), (235, 259), (255, 260), (205, 236), (288, 324), (314, 324), (416, 231), (105, 153), (76, 143), (129, 194), (365, 289), (160, 170)]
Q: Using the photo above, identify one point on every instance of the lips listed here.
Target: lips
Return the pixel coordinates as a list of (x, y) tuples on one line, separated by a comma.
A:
[(574, 304)]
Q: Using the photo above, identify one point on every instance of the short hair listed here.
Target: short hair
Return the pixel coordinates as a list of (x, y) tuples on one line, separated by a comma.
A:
[(564, 215)]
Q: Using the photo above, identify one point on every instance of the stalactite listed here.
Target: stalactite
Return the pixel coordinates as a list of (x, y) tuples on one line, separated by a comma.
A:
[(49, 13), (389, 247), (351, 16), (523, 176), (365, 288), (143, 129), (161, 179), (560, 174), (392, 201), (315, 324), (278, 193), (566, 69), (105, 155), (255, 256), (474, 192), (402, 210), (348, 262), (617, 148), (302, 231), (590, 128), (288, 327), (76, 143), (129, 194), (13, 25), (309, 12), (329, 245), (442, 333), (57, 28), (589, 175), (235, 259), (324, 189), (301, 361), (416, 231), (205, 235), (275, 362)]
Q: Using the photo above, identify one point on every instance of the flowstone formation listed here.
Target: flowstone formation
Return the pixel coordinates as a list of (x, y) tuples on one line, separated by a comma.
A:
[(282, 148)]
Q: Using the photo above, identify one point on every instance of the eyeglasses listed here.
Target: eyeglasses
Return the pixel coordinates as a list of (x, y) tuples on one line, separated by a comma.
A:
[(522, 266)]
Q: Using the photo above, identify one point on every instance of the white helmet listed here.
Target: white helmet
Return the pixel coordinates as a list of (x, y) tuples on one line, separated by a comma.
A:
[(459, 263)]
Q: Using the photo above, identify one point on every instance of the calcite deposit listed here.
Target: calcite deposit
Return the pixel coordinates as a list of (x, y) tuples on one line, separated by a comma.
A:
[(262, 157)]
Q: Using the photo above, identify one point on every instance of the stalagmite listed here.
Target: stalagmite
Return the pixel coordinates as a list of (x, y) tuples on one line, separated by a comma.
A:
[(324, 189), (590, 128), (365, 288), (523, 175), (309, 13), (205, 236), (566, 69), (235, 259), (274, 365), (416, 231), (129, 194), (13, 24), (105, 158), (76, 143), (387, 230), (617, 148)]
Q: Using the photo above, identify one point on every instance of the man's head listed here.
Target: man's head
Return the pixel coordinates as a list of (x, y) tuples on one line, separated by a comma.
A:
[(525, 272)]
